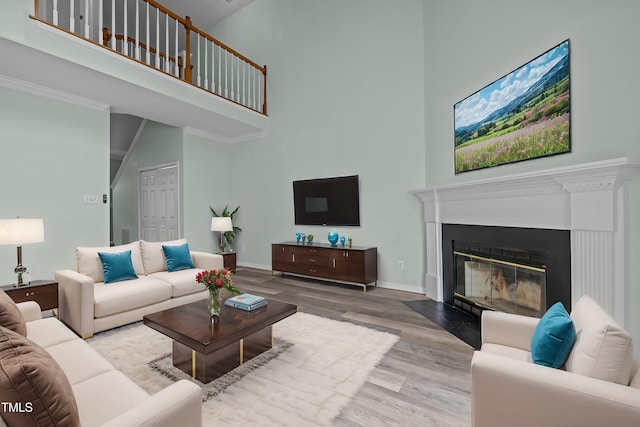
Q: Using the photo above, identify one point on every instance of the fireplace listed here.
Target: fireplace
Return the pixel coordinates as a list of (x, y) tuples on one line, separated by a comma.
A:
[(516, 270), (586, 202)]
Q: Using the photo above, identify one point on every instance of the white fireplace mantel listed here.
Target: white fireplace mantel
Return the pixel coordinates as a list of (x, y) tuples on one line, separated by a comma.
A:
[(587, 199)]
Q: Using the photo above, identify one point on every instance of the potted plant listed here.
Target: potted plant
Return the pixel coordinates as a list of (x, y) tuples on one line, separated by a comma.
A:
[(310, 239), (229, 236)]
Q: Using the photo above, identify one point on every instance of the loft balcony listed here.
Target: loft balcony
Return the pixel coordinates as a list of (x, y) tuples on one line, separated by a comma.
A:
[(137, 57)]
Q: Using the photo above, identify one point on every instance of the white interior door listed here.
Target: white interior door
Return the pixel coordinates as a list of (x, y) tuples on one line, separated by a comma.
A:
[(159, 204)]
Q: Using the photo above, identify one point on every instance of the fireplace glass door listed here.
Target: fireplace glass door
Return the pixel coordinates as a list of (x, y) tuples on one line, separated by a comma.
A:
[(500, 284)]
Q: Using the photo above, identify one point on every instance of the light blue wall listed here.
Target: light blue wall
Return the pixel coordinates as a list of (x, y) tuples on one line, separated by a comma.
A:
[(469, 44), (346, 96), (52, 154), (157, 145), (208, 179)]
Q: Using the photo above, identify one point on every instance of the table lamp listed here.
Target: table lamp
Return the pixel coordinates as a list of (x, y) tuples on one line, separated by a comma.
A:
[(20, 231), (221, 224)]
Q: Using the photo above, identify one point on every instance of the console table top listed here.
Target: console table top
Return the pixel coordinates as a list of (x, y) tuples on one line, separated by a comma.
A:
[(327, 245)]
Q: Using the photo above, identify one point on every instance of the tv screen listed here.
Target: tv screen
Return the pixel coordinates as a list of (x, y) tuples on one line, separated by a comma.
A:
[(327, 201)]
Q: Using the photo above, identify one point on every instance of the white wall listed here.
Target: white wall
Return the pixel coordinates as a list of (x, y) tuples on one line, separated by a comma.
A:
[(53, 153), (346, 96), (469, 44)]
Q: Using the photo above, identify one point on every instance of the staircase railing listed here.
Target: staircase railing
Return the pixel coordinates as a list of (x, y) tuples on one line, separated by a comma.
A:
[(149, 33)]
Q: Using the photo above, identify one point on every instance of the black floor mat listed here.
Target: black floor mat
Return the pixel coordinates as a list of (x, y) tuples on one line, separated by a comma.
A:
[(460, 323)]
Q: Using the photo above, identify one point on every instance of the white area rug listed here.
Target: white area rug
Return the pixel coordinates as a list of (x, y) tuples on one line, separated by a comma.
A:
[(306, 385)]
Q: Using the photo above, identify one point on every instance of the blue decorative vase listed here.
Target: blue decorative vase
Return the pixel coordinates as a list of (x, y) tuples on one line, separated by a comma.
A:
[(342, 240), (333, 238), (298, 237)]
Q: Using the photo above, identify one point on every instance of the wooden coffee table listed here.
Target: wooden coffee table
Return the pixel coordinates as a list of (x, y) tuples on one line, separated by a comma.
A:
[(205, 349)]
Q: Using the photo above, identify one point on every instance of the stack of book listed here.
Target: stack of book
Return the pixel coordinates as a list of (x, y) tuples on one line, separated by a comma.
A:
[(246, 302)]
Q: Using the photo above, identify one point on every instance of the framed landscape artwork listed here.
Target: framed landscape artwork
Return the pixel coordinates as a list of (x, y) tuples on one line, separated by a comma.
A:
[(523, 115)]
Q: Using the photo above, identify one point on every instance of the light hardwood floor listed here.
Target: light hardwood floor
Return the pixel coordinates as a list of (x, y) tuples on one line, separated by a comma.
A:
[(424, 380)]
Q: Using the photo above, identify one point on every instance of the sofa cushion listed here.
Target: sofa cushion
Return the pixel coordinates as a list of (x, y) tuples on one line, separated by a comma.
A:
[(49, 331), (153, 256), (553, 337), (602, 349), (129, 295), (78, 360), (105, 396), (183, 282), (88, 262), (178, 257), (30, 376), (117, 266), (10, 315)]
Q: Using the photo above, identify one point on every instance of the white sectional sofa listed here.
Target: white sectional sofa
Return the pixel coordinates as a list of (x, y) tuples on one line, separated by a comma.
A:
[(89, 305), (52, 377)]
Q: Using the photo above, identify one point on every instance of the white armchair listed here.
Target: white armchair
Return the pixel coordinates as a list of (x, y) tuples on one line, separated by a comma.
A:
[(600, 385)]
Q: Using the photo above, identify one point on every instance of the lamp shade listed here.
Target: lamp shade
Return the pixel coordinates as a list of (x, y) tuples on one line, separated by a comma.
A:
[(19, 231), (221, 223)]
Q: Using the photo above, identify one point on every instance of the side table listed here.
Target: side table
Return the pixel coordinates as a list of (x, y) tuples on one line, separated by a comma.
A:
[(44, 292), (229, 260)]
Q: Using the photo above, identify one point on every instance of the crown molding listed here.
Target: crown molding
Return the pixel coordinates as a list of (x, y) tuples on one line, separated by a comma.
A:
[(35, 89)]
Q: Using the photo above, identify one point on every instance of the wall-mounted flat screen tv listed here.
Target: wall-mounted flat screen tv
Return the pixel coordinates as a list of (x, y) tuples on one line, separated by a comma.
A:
[(327, 201)]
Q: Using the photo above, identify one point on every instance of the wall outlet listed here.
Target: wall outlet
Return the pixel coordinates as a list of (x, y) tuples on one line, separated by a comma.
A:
[(400, 265)]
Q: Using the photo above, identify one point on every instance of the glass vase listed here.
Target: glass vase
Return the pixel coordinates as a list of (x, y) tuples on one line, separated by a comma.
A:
[(214, 302)]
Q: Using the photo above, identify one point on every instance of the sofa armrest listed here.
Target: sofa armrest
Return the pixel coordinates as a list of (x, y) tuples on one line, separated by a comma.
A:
[(75, 292), (207, 261), (508, 329), (30, 310), (507, 392), (180, 404)]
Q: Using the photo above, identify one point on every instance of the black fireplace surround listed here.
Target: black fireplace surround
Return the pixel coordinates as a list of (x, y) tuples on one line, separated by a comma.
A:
[(553, 246)]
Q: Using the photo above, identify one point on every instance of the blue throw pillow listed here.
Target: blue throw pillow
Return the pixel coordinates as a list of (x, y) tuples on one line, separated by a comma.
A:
[(178, 257), (117, 266), (553, 338)]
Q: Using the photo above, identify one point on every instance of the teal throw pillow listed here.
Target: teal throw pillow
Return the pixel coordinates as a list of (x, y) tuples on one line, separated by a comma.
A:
[(553, 338), (178, 257), (117, 266)]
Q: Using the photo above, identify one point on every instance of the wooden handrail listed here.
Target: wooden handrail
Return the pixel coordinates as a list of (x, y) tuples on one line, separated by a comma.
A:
[(107, 38), (185, 73)]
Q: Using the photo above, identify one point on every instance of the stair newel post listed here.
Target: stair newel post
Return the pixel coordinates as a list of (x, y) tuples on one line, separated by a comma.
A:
[(264, 89), (187, 65)]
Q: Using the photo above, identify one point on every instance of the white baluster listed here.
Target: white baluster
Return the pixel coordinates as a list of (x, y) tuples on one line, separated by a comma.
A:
[(198, 62), (219, 70), (245, 70), (226, 74), (148, 51), (125, 41), (55, 12), (100, 23), (213, 67), (137, 43), (238, 94), (72, 22), (158, 65), (206, 64), (87, 31), (166, 44), (177, 67), (114, 45)]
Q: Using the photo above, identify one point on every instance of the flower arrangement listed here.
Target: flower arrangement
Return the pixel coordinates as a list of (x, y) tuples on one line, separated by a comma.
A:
[(214, 280)]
